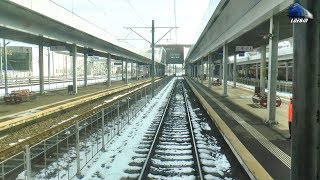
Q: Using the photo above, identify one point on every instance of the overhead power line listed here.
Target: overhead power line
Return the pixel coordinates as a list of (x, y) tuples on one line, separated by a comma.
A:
[(136, 12)]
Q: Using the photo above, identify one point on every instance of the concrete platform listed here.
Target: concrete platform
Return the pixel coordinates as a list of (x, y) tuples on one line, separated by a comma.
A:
[(24, 108), (242, 97), (263, 150)]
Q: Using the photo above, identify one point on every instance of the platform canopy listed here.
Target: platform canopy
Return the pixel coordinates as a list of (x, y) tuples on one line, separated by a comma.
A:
[(240, 23)]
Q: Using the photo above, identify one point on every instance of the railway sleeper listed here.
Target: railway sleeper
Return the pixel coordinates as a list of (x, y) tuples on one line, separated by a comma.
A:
[(174, 157), (167, 172), (175, 136), (180, 140), (138, 162), (133, 170), (171, 163), (142, 151), (179, 147), (173, 152)]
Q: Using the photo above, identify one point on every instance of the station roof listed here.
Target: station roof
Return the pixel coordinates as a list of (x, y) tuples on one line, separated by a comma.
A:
[(35, 26), (240, 23)]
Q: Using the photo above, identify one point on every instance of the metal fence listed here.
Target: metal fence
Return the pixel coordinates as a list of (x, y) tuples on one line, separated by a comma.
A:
[(65, 154), (282, 86)]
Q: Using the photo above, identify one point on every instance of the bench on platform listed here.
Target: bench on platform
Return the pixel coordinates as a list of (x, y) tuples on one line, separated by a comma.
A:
[(216, 83), (19, 96), (262, 98)]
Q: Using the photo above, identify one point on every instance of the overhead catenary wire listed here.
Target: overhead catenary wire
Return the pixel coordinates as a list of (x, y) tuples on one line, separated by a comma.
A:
[(136, 13), (101, 9)]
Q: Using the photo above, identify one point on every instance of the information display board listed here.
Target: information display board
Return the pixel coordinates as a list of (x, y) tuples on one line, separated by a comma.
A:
[(18, 58), (174, 54)]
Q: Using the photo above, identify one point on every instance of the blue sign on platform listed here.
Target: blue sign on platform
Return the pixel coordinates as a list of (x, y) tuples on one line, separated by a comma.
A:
[(241, 53), (9, 67), (90, 52)]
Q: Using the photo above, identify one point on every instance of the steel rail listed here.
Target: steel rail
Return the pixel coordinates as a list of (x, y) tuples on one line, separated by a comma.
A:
[(195, 150), (143, 174)]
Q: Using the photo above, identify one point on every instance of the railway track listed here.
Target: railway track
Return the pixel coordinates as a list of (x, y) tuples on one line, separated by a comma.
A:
[(169, 147)]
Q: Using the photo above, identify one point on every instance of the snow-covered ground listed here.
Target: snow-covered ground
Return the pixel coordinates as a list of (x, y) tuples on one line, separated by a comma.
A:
[(119, 152), (113, 163)]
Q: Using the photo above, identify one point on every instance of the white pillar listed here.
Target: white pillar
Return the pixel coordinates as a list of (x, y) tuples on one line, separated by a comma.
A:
[(235, 71), (53, 69), (85, 69), (49, 68), (66, 65), (41, 73), (5, 67), (220, 72), (126, 81), (1, 55), (263, 69), (202, 70), (287, 71), (137, 71), (257, 71), (225, 70), (272, 70), (109, 69), (74, 67), (131, 69), (210, 71), (122, 69)]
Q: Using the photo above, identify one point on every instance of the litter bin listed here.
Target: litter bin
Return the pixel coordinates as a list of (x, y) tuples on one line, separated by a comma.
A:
[(70, 89)]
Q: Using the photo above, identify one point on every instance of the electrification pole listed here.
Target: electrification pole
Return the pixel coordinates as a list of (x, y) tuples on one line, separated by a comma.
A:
[(5, 66), (152, 43), (152, 57)]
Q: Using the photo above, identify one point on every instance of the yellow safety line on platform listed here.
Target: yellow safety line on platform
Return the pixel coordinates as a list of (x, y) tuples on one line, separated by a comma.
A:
[(273, 149), (254, 169)]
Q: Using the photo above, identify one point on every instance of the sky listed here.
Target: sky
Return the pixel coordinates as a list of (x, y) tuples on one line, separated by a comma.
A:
[(114, 15)]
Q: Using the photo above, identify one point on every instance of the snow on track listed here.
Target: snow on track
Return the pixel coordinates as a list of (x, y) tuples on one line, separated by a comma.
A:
[(120, 151)]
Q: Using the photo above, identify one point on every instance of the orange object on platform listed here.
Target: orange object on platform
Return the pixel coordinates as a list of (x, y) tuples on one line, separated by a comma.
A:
[(290, 112)]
